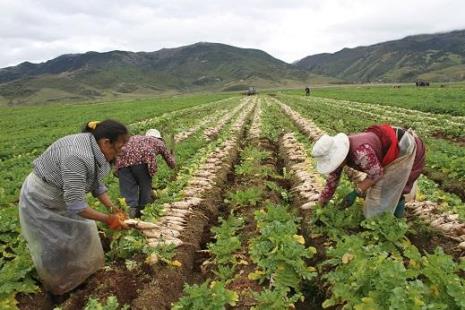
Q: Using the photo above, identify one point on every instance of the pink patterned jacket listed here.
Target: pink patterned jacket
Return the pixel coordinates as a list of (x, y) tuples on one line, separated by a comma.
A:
[(144, 150)]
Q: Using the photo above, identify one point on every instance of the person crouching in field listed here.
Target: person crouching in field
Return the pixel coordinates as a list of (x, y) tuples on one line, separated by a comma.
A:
[(56, 221), (392, 158), (136, 166)]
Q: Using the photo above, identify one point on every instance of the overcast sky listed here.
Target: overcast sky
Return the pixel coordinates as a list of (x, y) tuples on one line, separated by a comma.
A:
[(40, 30)]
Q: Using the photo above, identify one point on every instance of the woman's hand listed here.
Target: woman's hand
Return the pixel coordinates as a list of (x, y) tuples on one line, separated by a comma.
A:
[(116, 222), (365, 185), (112, 220)]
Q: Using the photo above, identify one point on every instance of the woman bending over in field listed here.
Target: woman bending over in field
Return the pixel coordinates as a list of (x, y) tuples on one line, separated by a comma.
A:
[(392, 159), (136, 166), (55, 218)]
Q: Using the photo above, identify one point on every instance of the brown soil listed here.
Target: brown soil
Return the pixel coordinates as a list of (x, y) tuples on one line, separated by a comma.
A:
[(165, 288), (40, 300), (117, 281), (244, 287)]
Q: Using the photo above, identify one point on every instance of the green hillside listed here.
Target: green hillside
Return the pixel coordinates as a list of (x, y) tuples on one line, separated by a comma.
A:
[(201, 66), (436, 57)]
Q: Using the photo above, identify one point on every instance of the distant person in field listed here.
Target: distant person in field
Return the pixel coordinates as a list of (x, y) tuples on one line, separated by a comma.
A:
[(307, 91), (136, 166), (55, 219), (392, 158)]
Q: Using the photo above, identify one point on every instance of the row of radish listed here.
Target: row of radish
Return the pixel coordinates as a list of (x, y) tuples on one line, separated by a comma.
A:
[(219, 163), (446, 222), (308, 183), (421, 124), (434, 119), (255, 129), (211, 132), (305, 125), (143, 124), (181, 136), (169, 228)]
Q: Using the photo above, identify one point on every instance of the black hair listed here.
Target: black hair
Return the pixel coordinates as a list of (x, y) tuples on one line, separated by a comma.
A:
[(107, 129)]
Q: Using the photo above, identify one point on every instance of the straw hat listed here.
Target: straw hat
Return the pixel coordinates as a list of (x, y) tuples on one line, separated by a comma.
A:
[(153, 133), (330, 152)]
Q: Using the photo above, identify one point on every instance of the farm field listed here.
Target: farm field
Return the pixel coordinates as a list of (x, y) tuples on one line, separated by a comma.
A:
[(436, 99), (234, 224)]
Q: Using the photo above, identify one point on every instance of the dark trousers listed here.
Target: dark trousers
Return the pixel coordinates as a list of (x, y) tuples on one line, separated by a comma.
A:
[(135, 185)]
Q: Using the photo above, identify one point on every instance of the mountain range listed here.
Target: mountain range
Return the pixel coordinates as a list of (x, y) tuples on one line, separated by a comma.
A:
[(436, 57), (218, 67)]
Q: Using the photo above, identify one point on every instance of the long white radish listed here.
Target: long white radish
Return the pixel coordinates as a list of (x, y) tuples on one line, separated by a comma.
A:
[(461, 245), (164, 222), (173, 226), (167, 233), (172, 218), (308, 205), (140, 224), (158, 242)]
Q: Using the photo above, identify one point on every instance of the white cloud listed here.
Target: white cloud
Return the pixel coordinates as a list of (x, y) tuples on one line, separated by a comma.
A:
[(289, 30)]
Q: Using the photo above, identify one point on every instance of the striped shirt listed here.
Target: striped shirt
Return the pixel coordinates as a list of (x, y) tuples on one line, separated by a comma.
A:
[(76, 165)]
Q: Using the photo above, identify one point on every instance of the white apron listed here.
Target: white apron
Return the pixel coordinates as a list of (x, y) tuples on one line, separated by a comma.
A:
[(65, 248), (385, 194)]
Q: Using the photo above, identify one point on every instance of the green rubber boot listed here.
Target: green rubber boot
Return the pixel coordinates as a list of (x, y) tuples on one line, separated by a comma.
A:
[(400, 208)]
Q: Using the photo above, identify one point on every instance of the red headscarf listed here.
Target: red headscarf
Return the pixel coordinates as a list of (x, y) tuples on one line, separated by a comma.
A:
[(389, 141)]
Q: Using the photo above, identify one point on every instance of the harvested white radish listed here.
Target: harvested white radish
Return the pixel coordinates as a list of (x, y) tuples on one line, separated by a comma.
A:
[(156, 243), (140, 224), (168, 233), (173, 226), (308, 205), (461, 245)]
